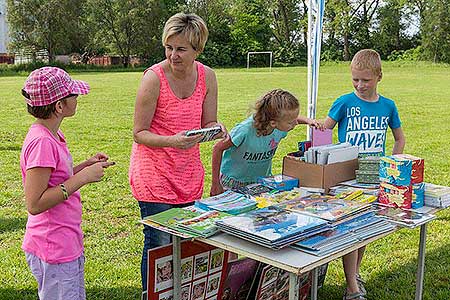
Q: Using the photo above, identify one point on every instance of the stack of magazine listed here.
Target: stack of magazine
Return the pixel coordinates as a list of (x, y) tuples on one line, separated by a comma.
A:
[(331, 208), (272, 226), (437, 195), (345, 234), (404, 217), (186, 222), (230, 202)]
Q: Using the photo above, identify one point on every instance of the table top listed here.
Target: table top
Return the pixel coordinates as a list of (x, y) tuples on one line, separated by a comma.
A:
[(289, 259)]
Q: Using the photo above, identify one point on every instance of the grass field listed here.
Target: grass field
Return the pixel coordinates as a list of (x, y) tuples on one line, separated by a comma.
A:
[(113, 236)]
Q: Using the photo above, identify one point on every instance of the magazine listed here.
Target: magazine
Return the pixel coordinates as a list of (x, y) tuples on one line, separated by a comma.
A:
[(229, 202), (271, 225), (404, 217)]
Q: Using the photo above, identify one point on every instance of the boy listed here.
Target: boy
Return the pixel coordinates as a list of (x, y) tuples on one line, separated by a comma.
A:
[(363, 117)]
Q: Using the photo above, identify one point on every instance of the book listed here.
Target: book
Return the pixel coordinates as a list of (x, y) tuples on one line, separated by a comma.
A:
[(271, 226), (321, 137), (208, 134), (404, 217), (326, 207), (202, 225), (230, 202), (238, 279), (202, 271)]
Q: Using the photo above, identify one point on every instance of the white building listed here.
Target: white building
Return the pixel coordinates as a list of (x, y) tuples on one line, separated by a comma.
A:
[(4, 37)]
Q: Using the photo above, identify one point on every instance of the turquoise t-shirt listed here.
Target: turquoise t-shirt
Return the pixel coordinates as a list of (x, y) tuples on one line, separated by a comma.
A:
[(364, 123), (251, 155)]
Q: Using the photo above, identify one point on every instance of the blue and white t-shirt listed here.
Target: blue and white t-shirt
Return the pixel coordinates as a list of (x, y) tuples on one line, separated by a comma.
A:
[(364, 123), (251, 155)]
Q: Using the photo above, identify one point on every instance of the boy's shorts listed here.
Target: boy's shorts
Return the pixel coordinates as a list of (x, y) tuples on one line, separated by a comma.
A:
[(58, 281)]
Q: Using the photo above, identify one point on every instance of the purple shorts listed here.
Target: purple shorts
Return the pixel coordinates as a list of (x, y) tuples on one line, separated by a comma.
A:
[(58, 281)]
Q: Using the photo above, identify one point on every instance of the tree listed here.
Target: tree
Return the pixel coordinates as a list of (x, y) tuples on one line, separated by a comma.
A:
[(50, 25), (436, 31), (128, 27)]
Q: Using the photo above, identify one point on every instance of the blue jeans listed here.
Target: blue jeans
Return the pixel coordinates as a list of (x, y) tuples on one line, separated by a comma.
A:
[(153, 237)]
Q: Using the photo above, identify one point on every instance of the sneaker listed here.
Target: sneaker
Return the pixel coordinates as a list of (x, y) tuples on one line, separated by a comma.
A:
[(354, 296), (361, 283)]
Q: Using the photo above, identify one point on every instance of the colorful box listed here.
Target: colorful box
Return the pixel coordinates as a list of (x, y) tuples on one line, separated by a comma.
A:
[(395, 170), (395, 195), (279, 182), (417, 167), (418, 195)]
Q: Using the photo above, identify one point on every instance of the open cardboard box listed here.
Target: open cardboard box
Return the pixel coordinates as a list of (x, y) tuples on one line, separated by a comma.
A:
[(320, 176)]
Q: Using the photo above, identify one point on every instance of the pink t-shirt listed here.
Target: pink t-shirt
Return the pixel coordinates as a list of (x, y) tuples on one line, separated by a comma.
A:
[(170, 175), (54, 235)]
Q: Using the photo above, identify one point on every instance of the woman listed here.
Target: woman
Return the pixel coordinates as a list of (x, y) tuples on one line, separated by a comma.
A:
[(175, 95)]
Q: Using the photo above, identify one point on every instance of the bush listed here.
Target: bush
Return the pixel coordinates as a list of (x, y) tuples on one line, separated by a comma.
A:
[(415, 54)]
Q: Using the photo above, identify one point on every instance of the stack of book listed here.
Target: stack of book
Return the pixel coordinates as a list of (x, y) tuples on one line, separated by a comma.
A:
[(344, 235), (230, 202), (272, 226), (186, 222), (404, 217), (437, 195), (331, 208), (368, 171)]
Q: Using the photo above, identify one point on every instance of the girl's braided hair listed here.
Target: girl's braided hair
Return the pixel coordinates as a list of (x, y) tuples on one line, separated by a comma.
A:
[(270, 107)]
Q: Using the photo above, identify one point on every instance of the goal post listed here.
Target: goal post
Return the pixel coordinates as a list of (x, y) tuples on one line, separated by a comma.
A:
[(260, 52)]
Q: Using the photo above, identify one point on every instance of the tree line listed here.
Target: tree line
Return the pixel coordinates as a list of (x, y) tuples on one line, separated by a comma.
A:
[(398, 29)]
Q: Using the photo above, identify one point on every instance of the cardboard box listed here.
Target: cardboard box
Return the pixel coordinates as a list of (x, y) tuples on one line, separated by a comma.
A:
[(319, 176)]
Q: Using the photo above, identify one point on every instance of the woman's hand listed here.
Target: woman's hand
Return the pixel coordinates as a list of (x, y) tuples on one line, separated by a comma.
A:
[(181, 141)]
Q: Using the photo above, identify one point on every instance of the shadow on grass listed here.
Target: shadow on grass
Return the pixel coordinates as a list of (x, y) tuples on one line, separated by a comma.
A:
[(400, 283), (10, 148), (119, 293), (12, 224)]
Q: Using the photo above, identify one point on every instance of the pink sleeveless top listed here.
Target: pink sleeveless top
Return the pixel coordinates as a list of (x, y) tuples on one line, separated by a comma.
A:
[(170, 175)]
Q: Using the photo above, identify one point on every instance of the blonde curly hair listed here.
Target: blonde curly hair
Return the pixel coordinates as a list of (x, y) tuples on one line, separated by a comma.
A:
[(270, 107)]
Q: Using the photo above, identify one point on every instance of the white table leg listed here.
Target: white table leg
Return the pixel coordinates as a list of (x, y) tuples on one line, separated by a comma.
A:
[(421, 262), (176, 259), (293, 286)]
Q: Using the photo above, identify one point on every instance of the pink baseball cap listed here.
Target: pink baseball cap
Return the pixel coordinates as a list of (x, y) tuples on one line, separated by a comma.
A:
[(50, 84)]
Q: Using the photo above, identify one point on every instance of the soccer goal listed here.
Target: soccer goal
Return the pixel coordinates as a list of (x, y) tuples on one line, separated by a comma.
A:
[(260, 52)]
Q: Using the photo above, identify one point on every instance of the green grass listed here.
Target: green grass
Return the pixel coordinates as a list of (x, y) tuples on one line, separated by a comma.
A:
[(113, 236)]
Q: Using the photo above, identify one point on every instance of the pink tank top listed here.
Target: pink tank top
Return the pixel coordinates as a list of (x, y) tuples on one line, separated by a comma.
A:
[(170, 175)]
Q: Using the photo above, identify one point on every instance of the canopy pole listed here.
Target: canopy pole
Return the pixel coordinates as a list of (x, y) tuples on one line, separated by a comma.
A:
[(314, 37)]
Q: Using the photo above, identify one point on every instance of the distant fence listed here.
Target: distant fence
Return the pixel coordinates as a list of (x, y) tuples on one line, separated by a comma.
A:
[(6, 59), (27, 56)]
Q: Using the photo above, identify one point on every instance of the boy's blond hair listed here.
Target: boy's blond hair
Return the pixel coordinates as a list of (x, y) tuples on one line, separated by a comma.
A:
[(191, 26), (367, 59)]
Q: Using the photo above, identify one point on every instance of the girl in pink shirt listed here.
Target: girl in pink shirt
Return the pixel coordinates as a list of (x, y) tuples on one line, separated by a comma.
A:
[(53, 241)]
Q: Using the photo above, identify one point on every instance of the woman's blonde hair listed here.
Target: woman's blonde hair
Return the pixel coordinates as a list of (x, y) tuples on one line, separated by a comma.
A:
[(270, 107), (367, 59), (191, 26)]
